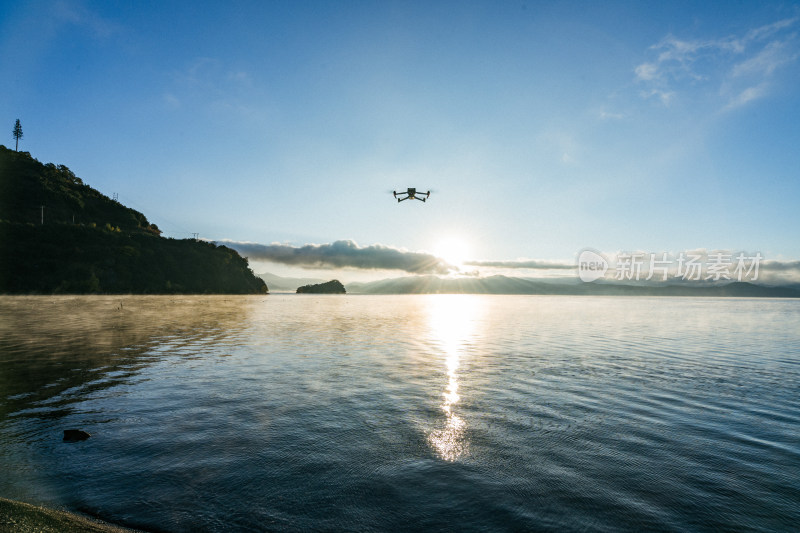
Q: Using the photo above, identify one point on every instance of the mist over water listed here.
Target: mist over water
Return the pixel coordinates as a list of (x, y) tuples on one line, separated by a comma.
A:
[(441, 412)]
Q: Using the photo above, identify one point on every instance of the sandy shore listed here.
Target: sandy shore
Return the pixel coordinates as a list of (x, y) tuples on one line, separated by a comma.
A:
[(23, 518)]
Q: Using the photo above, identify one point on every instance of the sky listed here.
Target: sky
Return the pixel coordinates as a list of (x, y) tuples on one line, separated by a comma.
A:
[(540, 128)]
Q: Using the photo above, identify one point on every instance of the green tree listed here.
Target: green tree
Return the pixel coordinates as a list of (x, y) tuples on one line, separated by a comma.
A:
[(17, 134)]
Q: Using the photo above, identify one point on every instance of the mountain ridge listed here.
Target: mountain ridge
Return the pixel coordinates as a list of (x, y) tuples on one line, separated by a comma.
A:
[(287, 284), (509, 285)]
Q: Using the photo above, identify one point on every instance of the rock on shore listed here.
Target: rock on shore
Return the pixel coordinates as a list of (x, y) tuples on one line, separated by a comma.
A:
[(26, 518)]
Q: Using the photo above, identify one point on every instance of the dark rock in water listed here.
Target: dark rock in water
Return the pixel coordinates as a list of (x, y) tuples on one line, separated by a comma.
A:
[(75, 435), (332, 287)]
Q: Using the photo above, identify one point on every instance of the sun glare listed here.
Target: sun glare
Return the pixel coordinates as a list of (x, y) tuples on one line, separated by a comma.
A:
[(454, 250)]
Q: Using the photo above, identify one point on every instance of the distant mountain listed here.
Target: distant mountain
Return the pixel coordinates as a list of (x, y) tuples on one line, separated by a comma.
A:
[(509, 285), (278, 283), (58, 235)]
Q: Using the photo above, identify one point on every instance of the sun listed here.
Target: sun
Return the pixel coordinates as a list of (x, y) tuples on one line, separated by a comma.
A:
[(454, 250)]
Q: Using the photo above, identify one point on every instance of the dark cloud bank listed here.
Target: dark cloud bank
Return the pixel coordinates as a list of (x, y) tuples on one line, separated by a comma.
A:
[(343, 254), (348, 254)]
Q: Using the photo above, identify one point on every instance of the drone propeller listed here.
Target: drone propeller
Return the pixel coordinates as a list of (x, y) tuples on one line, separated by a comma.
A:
[(419, 191)]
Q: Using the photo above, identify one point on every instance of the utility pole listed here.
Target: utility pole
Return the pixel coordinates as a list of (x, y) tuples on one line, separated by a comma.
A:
[(42, 215), (196, 235)]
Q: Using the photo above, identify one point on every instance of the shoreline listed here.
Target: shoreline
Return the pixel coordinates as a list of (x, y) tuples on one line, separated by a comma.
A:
[(24, 517)]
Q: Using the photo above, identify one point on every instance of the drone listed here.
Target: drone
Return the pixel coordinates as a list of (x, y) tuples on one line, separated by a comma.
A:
[(411, 194)]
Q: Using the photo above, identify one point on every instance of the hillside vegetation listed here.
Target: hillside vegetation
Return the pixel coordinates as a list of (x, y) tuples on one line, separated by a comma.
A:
[(86, 242), (333, 286)]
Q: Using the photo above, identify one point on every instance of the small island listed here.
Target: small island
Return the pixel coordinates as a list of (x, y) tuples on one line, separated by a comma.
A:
[(333, 286)]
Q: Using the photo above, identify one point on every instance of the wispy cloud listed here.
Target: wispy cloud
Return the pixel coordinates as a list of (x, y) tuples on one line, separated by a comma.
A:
[(780, 272), (646, 71), (532, 264), (81, 16), (213, 85), (747, 95), (762, 32), (609, 115), (782, 266), (741, 67), (768, 60), (343, 254)]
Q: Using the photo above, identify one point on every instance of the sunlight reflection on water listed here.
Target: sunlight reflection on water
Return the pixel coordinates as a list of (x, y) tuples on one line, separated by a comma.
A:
[(452, 320)]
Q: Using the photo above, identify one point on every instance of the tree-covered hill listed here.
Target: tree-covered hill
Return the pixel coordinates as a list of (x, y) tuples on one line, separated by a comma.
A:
[(89, 243), (333, 286), (27, 186)]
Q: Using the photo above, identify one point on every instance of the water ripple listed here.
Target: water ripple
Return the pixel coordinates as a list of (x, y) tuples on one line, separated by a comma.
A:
[(435, 412)]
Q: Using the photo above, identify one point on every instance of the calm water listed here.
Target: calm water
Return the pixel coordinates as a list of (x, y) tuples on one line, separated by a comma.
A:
[(453, 413)]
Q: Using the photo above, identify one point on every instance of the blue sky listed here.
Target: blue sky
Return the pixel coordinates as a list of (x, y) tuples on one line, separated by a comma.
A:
[(541, 128)]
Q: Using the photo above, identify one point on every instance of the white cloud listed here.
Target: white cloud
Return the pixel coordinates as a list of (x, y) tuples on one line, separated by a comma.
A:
[(211, 85), (743, 67), (81, 16), (647, 71), (172, 101), (609, 115), (674, 49), (746, 96), (665, 96), (773, 56), (767, 30)]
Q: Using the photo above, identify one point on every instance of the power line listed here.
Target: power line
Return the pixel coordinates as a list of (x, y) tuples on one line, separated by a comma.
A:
[(174, 228)]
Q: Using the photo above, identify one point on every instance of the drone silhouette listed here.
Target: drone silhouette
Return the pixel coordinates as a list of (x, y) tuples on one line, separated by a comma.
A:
[(411, 194)]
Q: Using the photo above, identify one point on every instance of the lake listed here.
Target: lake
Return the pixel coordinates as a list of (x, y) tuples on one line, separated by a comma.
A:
[(379, 413)]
